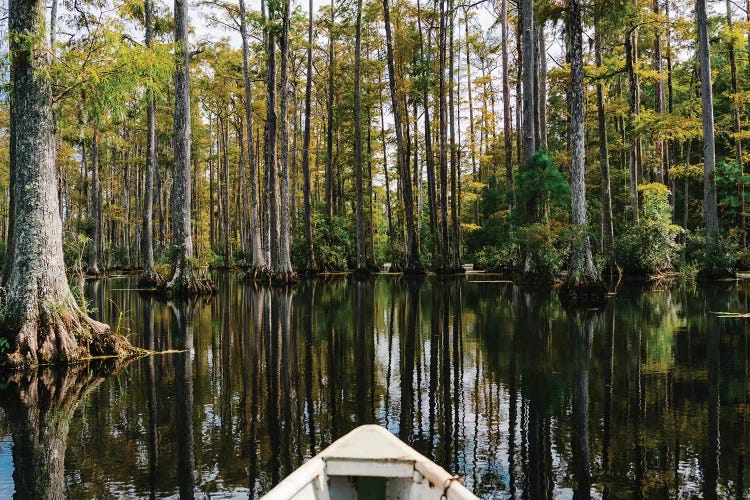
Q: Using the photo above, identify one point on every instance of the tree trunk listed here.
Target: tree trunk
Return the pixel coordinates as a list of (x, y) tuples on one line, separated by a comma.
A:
[(272, 200), (413, 265), (444, 257), (95, 214), (455, 252), (507, 117), (311, 265), (183, 280), (361, 265), (385, 172), (283, 271), (608, 236), (707, 106), (259, 262), (583, 274), (40, 318), (659, 104), (529, 99), (329, 119), (542, 87), (429, 155), (634, 158), (737, 124)]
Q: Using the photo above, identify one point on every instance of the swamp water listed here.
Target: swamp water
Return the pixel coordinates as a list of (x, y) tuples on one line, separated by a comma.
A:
[(492, 381)]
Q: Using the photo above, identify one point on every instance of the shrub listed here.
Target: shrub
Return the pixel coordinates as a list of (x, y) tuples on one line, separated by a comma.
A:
[(547, 247), (651, 246), (716, 258)]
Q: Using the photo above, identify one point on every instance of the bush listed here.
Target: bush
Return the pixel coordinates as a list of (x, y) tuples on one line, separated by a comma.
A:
[(651, 246), (547, 247), (717, 258), (119, 257), (497, 258), (334, 243)]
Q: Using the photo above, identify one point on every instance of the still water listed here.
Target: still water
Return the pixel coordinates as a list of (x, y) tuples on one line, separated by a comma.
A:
[(495, 382)]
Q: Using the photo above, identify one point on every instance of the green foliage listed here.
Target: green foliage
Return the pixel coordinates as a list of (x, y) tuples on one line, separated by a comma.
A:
[(715, 257), (119, 256), (651, 246), (546, 247), (4, 345), (334, 240), (498, 259), (541, 179)]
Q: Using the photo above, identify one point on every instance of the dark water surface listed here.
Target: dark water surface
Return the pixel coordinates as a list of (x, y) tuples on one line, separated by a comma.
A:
[(493, 381)]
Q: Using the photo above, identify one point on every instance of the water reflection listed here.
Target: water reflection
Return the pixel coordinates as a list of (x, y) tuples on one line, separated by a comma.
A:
[(493, 381)]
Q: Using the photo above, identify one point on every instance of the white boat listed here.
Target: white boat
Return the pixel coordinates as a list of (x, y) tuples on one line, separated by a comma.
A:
[(369, 462)]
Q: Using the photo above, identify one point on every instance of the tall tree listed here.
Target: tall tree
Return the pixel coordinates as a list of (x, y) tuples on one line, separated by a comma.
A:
[(583, 273), (413, 264), (707, 105), (607, 227), (183, 280), (307, 188), (149, 277), (283, 272), (259, 263), (359, 204), (40, 317)]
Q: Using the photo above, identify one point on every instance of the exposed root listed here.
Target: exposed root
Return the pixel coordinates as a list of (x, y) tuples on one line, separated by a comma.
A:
[(190, 287), (257, 273), (284, 278), (582, 293), (150, 280), (62, 336)]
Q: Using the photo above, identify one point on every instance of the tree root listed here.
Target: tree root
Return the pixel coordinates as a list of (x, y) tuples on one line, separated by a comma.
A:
[(583, 293), (284, 278), (257, 273), (61, 336), (150, 280)]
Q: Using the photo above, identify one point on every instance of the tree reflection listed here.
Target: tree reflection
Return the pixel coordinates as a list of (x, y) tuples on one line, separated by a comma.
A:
[(39, 405)]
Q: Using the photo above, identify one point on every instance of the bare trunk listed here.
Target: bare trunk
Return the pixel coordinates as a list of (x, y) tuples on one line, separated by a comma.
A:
[(183, 280), (507, 117), (737, 123), (455, 253), (283, 270), (444, 256), (272, 199), (582, 270), (634, 158), (306, 146), (529, 97), (329, 119), (608, 236), (256, 240), (95, 213), (413, 265), (429, 154), (361, 247), (707, 105), (40, 318)]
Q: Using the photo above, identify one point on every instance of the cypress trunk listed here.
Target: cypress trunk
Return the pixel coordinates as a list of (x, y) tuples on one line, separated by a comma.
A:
[(183, 280), (707, 105), (40, 318)]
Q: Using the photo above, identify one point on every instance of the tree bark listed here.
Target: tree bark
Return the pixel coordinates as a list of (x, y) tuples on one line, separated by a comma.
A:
[(95, 214), (40, 318), (259, 262), (284, 272), (634, 158), (329, 119), (737, 124), (183, 280), (361, 265), (529, 99), (311, 265), (413, 264), (583, 273), (707, 105), (608, 236), (272, 199), (507, 117)]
